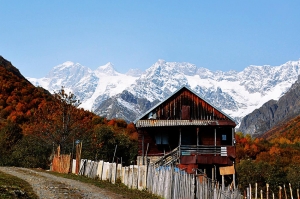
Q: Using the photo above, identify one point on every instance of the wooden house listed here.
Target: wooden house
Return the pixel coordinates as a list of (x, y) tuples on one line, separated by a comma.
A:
[(187, 131)]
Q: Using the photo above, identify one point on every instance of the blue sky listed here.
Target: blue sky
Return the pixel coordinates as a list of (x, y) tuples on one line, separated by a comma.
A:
[(218, 35)]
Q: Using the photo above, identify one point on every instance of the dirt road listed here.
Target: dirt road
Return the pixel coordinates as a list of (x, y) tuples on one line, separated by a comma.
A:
[(49, 186)]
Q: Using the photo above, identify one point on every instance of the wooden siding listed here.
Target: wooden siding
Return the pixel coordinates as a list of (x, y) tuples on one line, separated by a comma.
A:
[(148, 139), (186, 105), (188, 137), (186, 114)]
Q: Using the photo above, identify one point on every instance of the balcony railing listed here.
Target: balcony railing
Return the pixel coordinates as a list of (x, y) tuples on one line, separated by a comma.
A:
[(169, 158), (186, 150), (202, 149)]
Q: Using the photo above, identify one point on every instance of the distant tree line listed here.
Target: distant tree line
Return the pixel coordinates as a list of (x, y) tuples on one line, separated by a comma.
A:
[(275, 161)]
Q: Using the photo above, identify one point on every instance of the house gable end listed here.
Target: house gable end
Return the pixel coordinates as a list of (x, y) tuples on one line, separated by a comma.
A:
[(185, 105)]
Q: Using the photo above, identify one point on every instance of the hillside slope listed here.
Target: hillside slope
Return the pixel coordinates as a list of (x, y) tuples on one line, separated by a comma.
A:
[(273, 113), (289, 130), (18, 97)]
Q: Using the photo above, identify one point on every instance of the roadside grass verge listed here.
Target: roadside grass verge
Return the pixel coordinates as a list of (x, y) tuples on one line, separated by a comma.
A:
[(13, 187), (117, 188)]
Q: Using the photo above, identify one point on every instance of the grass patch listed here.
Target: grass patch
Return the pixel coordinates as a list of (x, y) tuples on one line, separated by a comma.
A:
[(13, 187), (118, 188)]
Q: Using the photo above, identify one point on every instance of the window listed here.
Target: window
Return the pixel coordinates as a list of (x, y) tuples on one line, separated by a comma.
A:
[(224, 137), (161, 138)]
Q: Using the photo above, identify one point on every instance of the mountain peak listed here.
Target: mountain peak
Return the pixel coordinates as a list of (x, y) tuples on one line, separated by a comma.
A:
[(64, 65), (161, 62), (68, 68), (68, 63), (174, 67), (107, 69)]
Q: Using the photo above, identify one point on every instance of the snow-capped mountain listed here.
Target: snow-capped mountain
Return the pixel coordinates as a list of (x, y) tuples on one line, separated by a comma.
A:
[(273, 113), (91, 87), (109, 93)]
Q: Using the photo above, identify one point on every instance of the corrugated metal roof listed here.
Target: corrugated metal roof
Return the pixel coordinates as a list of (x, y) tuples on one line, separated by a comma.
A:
[(153, 123)]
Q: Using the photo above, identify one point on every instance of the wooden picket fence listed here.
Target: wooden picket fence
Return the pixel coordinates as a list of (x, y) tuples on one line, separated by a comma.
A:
[(173, 183), (168, 182), (132, 176), (61, 163), (282, 193)]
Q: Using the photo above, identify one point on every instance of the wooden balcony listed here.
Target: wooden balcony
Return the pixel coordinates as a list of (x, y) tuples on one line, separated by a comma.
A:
[(201, 154), (202, 150)]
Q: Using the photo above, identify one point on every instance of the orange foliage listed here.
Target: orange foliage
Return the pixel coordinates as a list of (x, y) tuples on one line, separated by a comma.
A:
[(20, 107), (134, 136), (111, 122), (131, 128), (36, 111), (274, 150)]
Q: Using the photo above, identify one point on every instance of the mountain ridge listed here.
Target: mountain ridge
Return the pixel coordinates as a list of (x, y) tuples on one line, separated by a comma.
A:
[(235, 93), (273, 112)]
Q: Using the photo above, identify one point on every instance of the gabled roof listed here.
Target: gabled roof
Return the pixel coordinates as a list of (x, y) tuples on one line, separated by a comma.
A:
[(178, 91)]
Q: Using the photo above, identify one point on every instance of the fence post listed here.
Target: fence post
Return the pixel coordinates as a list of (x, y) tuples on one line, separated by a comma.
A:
[(113, 173), (291, 190), (261, 194), (284, 191), (78, 157), (213, 174), (256, 190), (267, 196), (250, 191), (223, 183), (279, 192), (172, 181), (215, 192), (233, 176)]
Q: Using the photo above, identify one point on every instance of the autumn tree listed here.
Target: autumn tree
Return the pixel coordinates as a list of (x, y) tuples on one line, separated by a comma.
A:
[(60, 121), (31, 152), (107, 140), (10, 134)]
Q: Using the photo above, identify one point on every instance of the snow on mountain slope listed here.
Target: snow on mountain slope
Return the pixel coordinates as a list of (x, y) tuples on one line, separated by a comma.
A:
[(91, 87), (235, 93), (107, 86), (42, 82)]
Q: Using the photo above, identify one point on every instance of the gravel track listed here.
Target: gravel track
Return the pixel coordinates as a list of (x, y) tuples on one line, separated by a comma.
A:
[(49, 186)]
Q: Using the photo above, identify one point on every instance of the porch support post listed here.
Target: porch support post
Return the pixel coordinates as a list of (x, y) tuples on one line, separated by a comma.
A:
[(179, 137), (215, 141), (197, 137), (234, 183), (143, 149), (179, 144), (215, 137), (233, 138)]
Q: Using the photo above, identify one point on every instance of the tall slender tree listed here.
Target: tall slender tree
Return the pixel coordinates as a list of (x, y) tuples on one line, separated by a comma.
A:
[(60, 121)]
